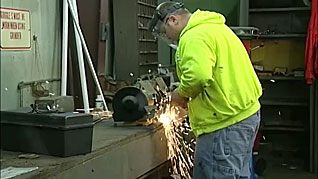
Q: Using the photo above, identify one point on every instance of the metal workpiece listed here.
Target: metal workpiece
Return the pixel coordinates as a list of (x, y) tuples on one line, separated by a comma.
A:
[(147, 88)]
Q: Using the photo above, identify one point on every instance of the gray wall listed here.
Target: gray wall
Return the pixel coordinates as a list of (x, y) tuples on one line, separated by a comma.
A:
[(17, 66)]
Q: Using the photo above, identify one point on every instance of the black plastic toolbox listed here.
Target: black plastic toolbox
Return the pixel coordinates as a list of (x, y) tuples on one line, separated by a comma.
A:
[(57, 134)]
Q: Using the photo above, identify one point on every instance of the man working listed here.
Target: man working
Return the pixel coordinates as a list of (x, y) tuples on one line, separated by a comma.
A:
[(217, 84)]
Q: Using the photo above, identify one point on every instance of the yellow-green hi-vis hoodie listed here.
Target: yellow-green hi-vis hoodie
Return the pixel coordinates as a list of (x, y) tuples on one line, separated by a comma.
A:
[(215, 71)]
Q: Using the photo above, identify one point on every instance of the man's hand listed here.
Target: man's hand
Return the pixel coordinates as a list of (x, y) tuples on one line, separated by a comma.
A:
[(178, 100)]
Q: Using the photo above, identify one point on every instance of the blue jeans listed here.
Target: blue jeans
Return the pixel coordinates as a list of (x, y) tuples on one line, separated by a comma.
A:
[(226, 153)]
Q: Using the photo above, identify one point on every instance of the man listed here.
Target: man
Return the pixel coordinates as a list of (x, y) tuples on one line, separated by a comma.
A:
[(218, 85)]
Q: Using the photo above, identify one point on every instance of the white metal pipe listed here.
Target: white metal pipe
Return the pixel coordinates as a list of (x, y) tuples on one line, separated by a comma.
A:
[(80, 58), (64, 49), (88, 57)]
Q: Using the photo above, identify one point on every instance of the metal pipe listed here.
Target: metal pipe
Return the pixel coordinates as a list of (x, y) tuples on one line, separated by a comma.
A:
[(88, 57), (311, 126), (64, 49), (316, 126), (23, 84), (80, 58), (243, 16), (21, 98)]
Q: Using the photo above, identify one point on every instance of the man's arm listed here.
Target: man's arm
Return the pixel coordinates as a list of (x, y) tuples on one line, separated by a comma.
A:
[(197, 60), (178, 100)]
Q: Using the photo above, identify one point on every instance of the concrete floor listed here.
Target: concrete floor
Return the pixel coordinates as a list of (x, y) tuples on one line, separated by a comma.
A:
[(281, 164), (276, 169), (282, 173)]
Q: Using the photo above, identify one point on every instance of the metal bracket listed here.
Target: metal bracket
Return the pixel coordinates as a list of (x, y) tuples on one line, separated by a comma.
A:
[(103, 31)]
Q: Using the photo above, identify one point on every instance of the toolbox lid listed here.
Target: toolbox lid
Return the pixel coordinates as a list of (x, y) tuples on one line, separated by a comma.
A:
[(67, 120)]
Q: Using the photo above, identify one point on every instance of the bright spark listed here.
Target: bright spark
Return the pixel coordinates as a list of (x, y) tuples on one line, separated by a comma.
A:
[(165, 119), (180, 151)]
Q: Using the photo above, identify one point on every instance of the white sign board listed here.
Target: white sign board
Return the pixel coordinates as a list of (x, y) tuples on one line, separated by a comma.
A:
[(15, 29)]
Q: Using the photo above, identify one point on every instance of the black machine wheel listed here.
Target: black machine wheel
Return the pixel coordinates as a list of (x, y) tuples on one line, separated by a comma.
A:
[(128, 104)]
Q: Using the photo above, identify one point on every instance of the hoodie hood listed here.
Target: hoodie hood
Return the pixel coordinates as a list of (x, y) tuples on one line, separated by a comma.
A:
[(203, 17)]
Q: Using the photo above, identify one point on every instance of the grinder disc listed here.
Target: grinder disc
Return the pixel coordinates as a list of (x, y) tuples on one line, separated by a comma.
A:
[(128, 104)]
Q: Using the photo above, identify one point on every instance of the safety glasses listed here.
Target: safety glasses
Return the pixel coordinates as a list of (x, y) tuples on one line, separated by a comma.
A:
[(160, 19), (159, 31)]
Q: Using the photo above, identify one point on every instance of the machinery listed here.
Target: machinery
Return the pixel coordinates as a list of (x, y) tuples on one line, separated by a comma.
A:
[(141, 100), (54, 104)]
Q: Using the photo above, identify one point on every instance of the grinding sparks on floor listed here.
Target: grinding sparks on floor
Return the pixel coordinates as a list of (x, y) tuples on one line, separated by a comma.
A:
[(179, 140)]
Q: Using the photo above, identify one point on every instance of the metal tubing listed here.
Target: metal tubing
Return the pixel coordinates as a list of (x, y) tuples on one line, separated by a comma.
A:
[(315, 127), (88, 57), (244, 9), (21, 98), (311, 126), (64, 49), (80, 57), (23, 85)]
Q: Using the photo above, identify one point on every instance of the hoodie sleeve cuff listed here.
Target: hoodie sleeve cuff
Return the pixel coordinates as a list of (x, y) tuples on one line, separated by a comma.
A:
[(184, 93)]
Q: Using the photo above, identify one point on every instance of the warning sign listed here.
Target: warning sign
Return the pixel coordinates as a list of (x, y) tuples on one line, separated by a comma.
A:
[(15, 29)]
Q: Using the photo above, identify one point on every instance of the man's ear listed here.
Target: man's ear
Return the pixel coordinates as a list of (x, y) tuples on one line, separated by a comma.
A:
[(174, 19)]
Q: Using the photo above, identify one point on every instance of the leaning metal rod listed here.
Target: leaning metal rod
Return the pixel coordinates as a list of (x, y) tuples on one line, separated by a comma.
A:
[(80, 59), (88, 57), (64, 49)]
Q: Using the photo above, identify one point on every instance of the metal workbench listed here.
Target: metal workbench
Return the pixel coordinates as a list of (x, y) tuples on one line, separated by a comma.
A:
[(117, 152)]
